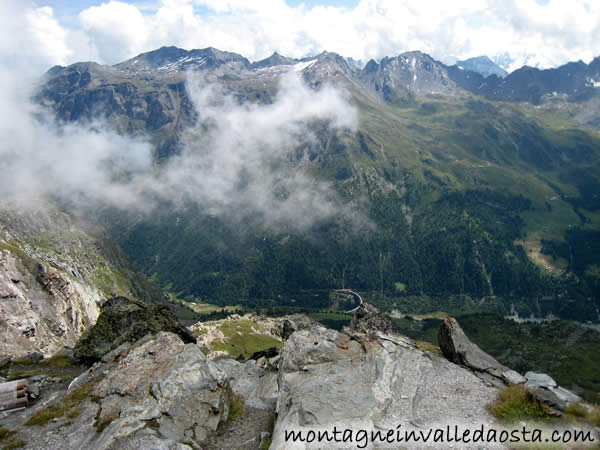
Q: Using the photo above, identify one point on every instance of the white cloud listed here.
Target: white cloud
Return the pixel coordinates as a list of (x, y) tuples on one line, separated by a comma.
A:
[(240, 166), (31, 39), (550, 34), (117, 30)]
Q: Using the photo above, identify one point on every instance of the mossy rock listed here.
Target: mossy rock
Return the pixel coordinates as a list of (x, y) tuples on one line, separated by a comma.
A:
[(123, 320)]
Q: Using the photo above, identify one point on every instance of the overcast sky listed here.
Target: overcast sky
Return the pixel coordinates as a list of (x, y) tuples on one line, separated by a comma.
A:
[(548, 32)]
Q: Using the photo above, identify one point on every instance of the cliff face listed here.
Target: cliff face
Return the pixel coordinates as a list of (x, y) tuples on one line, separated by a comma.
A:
[(54, 273), (41, 308)]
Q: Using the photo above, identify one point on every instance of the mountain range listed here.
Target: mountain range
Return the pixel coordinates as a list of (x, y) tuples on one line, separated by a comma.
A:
[(299, 185), (479, 189)]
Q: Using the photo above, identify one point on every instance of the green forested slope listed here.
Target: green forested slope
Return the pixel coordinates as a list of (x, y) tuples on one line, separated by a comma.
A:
[(467, 197)]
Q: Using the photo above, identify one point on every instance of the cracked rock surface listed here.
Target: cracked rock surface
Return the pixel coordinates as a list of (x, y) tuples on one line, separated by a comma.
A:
[(156, 393), (369, 381)]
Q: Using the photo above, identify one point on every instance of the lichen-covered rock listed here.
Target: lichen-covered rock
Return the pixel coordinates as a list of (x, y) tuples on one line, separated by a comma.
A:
[(123, 320)]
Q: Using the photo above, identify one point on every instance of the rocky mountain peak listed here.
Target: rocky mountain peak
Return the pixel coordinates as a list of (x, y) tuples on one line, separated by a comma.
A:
[(398, 79), (274, 60), (174, 59), (420, 72), (327, 67), (371, 67), (156, 390), (482, 65)]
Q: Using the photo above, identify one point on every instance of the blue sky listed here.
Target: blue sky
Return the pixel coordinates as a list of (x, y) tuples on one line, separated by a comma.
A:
[(543, 33), (66, 8)]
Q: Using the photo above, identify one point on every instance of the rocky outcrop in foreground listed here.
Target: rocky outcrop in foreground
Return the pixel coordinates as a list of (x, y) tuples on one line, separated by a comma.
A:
[(123, 320), (162, 393), (157, 393), (457, 347), (371, 380)]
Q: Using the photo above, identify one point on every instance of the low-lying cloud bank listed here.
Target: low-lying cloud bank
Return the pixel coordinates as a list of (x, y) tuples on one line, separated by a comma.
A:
[(237, 162), (234, 163)]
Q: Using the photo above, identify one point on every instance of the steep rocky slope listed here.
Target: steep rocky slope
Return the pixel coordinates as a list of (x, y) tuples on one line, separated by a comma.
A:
[(161, 393), (55, 271)]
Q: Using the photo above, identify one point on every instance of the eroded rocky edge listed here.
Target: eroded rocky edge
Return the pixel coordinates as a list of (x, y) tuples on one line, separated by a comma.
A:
[(162, 393), (56, 270)]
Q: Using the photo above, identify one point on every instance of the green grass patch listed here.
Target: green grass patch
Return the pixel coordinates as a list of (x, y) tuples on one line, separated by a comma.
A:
[(208, 308), (579, 413), (43, 416), (70, 401), (73, 413), (14, 247), (18, 374), (241, 340), (8, 440), (201, 332), (427, 347), (236, 409), (61, 361), (515, 404), (101, 424), (576, 410), (594, 418), (13, 443), (23, 362), (108, 282)]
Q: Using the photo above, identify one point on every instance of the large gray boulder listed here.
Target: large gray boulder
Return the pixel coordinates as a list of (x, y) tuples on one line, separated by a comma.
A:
[(546, 391), (456, 347), (373, 381), (156, 393), (536, 380)]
